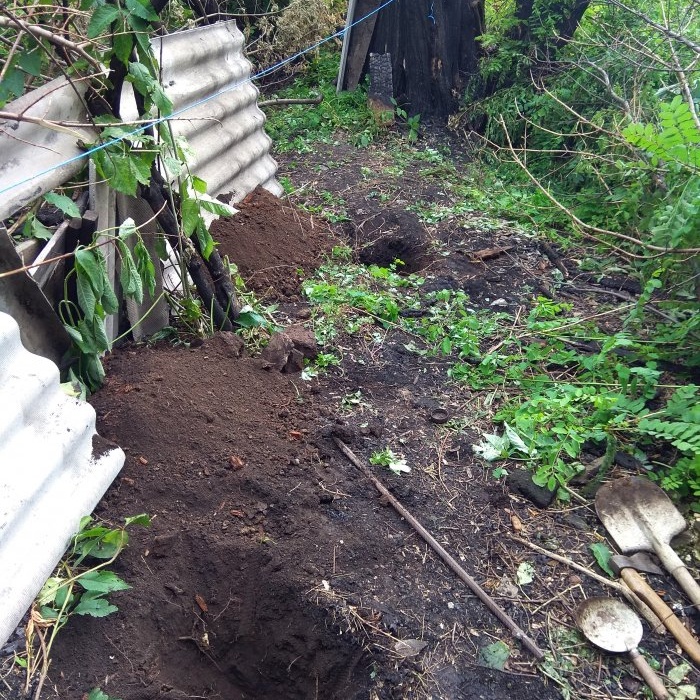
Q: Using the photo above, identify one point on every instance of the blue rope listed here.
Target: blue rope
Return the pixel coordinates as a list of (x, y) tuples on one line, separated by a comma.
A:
[(204, 100), (431, 16)]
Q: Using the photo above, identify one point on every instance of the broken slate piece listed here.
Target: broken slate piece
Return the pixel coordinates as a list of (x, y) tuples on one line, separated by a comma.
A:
[(520, 481)]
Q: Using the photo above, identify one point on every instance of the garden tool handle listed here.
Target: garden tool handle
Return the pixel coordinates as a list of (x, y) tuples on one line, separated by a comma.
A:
[(675, 566), (649, 596), (647, 673)]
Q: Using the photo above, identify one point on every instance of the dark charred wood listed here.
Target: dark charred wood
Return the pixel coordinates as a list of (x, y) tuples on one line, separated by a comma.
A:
[(433, 50)]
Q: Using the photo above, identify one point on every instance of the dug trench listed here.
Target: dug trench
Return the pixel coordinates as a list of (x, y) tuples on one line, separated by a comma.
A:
[(272, 569)]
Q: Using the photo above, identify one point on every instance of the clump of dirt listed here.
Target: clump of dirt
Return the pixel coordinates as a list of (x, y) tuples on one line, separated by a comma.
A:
[(273, 243)]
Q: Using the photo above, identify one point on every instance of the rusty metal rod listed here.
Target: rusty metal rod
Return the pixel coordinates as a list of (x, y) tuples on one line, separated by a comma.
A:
[(483, 596)]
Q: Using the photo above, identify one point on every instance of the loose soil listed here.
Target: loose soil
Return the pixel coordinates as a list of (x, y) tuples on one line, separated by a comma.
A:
[(272, 569)]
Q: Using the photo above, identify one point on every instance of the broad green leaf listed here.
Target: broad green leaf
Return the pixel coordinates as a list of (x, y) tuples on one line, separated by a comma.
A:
[(77, 338), (199, 185), (115, 167), (33, 228), (93, 332), (216, 207), (145, 267), (206, 242), (127, 228), (87, 298), (111, 544), (101, 19), (495, 655), (93, 371), (142, 519), (141, 78), (143, 10), (65, 204), (249, 319), (30, 61), (12, 85), (102, 581), (141, 162), (129, 275), (97, 694), (190, 216), (109, 301), (678, 673), (161, 100), (525, 573), (492, 447), (48, 591), (94, 606), (515, 439), (122, 44)]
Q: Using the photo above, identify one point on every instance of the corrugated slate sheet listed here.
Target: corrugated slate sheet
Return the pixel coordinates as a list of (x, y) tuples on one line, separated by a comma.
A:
[(54, 469)]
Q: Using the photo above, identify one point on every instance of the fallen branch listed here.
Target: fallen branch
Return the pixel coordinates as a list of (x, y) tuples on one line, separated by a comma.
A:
[(41, 33), (485, 598), (292, 101)]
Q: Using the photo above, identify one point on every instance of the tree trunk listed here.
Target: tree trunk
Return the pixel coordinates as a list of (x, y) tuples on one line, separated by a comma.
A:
[(433, 51)]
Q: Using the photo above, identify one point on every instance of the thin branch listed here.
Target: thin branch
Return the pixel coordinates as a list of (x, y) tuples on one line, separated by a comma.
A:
[(40, 32), (588, 227), (10, 55), (682, 78), (666, 32), (46, 123)]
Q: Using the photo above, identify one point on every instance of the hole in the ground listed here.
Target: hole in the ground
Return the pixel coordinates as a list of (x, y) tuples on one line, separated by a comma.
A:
[(264, 640), (386, 236), (218, 621)]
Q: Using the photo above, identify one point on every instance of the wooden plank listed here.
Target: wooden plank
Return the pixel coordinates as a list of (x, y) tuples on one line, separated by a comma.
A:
[(358, 43)]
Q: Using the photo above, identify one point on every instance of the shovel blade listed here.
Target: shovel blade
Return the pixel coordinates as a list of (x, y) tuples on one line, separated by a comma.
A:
[(638, 514)]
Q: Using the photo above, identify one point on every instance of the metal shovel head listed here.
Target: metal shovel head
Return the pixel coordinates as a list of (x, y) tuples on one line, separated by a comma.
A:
[(637, 514), (609, 624)]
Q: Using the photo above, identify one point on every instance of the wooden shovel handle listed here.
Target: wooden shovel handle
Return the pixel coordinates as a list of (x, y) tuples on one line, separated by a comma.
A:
[(647, 673), (644, 591), (675, 566)]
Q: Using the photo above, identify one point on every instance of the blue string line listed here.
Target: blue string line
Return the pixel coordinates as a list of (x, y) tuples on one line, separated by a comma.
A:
[(204, 100), (431, 16)]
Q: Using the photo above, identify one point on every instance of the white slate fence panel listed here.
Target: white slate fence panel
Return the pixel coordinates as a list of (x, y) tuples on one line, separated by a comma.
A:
[(226, 133), (53, 470)]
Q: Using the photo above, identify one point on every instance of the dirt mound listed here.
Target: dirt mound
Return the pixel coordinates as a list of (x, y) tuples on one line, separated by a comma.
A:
[(215, 609), (273, 243)]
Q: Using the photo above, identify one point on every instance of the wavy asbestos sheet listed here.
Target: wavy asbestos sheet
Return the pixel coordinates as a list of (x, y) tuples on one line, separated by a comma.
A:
[(54, 468)]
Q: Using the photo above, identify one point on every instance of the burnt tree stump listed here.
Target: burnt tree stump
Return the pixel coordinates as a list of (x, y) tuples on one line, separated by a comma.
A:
[(433, 51)]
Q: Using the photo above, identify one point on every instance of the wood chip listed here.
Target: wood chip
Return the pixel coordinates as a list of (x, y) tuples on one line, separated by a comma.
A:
[(488, 253), (516, 523), (236, 462), (296, 434), (201, 603), (143, 460)]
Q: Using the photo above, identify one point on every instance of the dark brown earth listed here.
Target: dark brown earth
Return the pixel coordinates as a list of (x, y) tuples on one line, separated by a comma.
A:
[(272, 570)]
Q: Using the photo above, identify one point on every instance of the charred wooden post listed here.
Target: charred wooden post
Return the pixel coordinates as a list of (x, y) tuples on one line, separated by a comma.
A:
[(434, 51)]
